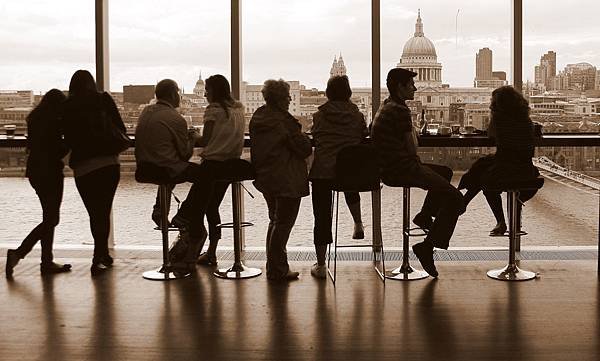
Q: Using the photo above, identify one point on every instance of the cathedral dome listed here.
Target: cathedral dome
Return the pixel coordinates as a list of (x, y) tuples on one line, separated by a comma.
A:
[(419, 45)]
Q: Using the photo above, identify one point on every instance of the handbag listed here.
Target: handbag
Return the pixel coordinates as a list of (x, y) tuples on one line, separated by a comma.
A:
[(108, 136)]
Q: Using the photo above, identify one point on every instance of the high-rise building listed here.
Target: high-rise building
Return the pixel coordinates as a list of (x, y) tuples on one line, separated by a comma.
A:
[(337, 68), (419, 55), (483, 64), (546, 70)]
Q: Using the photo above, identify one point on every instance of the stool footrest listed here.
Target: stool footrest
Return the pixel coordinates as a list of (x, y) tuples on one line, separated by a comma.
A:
[(231, 225), (171, 229), (409, 232)]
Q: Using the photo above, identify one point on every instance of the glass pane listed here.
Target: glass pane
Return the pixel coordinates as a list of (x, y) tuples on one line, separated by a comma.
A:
[(44, 43)]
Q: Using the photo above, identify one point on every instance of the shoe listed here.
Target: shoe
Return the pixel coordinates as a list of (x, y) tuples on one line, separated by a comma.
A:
[(318, 271), (98, 268), (11, 261), (52, 268), (424, 252), (289, 276), (359, 231), (422, 221), (499, 230), (156, 215), (207, 260), (180, 222), (107, 260)]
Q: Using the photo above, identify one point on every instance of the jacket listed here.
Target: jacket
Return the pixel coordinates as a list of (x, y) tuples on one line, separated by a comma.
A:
[(45, 146), (227, 136), (278, 151), (162, 138), (337, 124), (390, 126), (81, 116)]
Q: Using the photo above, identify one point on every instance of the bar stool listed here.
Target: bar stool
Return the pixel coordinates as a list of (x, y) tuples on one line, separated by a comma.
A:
[(405, 272), (356, 171), (512, 272), (237, 171), (150, 173)]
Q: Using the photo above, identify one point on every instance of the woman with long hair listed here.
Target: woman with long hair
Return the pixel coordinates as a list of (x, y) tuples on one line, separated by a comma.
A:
[(45, 149), (95, 163), (513, 132), (222, 139)]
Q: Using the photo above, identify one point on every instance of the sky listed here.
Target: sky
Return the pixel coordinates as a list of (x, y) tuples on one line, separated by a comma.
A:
[(43, 42)]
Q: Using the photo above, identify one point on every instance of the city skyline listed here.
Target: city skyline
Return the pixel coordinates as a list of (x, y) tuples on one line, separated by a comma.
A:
[(301, 49)]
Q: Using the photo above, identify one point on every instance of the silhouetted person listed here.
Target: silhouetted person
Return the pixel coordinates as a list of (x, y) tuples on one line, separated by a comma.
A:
[(95, 163), (164, 141), (222, 139), (45, 149), (513, 132), (337, 124), (396, 142), (278, 150)]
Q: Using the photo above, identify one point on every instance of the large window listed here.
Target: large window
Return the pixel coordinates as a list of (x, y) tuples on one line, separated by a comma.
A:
[(44, 42)]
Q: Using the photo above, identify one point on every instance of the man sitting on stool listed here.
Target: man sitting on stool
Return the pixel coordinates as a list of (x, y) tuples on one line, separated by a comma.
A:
[(163, 140), (396, 142)]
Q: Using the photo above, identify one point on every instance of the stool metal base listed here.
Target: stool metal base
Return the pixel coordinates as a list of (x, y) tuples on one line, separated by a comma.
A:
[(511, 273), (161, 275), (238, 271), (406, 274)]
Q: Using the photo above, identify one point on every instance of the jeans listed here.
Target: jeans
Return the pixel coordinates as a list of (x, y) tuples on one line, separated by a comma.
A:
[(49, 191), (282, 216), (443, 200), (97, 190)]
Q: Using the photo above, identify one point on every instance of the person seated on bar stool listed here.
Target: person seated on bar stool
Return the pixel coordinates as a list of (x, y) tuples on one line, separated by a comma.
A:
[(222, 139), (396, 143), (337, 124), (513, 132), (163, 140), (279, 150)]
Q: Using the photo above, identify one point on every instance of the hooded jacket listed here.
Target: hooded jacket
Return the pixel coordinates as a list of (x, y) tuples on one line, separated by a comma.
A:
[(227, 138), (337, 124), (278, 150)]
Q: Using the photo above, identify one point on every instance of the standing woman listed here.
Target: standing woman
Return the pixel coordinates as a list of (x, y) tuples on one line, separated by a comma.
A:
[(45, 172), (279, 150), (337, 124), (95, 164)]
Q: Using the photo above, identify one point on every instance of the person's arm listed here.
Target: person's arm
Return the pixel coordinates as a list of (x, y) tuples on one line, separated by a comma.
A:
[(207, 131), (298, 142), (184, 140)]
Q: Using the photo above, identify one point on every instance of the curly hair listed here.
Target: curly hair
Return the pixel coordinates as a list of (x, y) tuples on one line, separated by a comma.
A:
[(509, 102), (275, 91), (338, 88)]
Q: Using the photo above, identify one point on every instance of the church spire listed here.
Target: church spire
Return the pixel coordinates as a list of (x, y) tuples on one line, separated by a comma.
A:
[(419, 26)]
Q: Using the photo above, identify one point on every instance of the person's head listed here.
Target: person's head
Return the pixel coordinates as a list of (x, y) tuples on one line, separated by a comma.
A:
[(508, 101), (82, 84), (277, 93), (49, 104), (401, 84), (338, 88), (168, 91), (217, 89)]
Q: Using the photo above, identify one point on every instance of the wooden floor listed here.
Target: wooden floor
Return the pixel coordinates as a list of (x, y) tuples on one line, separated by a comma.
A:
[(461, 316)]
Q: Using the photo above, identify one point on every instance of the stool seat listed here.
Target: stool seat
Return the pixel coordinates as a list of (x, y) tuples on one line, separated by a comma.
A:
[(146, 172), (399, 182), (520, 185), (356, 169), (236, 170)]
